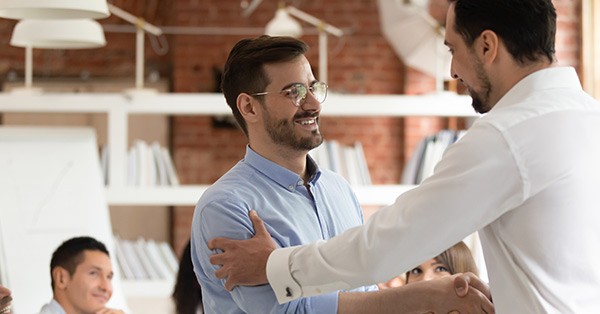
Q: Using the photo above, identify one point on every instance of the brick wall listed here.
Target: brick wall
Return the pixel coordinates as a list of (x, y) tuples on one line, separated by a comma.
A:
[(360, 62)]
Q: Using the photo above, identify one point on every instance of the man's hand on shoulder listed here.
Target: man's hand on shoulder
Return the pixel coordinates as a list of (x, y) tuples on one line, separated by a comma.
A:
[(243, 262)]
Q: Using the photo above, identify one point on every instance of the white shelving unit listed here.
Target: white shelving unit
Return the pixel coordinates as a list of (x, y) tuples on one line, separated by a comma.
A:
[(119, 107)]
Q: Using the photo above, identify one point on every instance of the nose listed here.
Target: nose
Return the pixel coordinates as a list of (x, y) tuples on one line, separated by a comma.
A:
[(428, 276), (106, 284), (452, 72), (310, 103)]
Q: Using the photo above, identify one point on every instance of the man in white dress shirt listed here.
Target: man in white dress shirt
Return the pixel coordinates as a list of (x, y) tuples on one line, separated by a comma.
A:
[(527, 175)]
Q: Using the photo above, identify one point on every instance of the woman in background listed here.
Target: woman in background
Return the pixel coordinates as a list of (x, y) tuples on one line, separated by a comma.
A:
[(457, 259), (186, 294)]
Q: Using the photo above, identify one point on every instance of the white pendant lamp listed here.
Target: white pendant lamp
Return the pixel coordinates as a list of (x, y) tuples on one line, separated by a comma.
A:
[(55, 34), (58, 34), (283, 24), (53, 9)]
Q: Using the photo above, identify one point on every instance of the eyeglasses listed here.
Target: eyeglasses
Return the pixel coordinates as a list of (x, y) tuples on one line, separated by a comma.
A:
[(297, 92)]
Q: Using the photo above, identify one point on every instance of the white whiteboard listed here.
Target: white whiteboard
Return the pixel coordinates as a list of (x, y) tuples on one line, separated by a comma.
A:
[(50, 190)]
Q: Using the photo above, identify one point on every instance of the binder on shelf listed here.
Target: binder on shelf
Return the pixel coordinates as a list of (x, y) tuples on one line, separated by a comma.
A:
[(148, 165), (140, 250), (172, 173), (348, 161), (158, 261), (427, 154), (169, 256), (121, 260), (146, 259)]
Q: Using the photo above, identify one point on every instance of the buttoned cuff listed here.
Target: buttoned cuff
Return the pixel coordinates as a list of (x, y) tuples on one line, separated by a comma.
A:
[(280, 278)]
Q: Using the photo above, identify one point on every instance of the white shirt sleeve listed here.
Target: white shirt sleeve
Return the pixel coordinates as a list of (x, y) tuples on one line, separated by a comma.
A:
[(478, 180)]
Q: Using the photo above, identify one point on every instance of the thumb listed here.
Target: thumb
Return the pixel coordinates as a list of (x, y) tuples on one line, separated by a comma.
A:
[(461, 285), (257, 223)]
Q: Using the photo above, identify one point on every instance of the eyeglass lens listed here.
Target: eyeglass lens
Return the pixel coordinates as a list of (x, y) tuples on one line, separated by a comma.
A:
[(299, 91)]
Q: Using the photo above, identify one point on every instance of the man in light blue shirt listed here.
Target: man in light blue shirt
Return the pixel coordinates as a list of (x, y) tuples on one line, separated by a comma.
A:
[(256, 182), (278, 178), (270, 87)]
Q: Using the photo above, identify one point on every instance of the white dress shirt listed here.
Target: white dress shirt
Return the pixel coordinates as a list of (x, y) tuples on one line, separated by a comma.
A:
[(527, 174)]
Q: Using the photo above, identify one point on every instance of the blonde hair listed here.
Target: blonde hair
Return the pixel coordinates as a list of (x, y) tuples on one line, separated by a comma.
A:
[(457, 258)]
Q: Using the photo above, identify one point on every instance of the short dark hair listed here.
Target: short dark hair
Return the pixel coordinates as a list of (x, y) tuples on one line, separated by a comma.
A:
[(527, 28), (244, 71), (70, 253)]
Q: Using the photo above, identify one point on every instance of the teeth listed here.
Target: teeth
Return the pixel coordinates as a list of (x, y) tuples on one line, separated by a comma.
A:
[(307, 122)]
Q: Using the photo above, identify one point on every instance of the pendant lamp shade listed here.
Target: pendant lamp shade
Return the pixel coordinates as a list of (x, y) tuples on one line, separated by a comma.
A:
[(53, 9), (283, 25), (58, 34)]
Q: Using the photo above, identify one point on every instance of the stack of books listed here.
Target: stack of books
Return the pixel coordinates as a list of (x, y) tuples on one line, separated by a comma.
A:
[(147, 165), (145, 259), (427, 154), (348, 161)]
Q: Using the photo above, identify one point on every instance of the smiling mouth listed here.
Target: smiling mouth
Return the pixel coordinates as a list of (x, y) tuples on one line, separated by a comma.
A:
[(102, 298), (307, 121)]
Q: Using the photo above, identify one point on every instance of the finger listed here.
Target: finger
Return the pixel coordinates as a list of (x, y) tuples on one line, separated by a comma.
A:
[(229, 285), (220, 273), (219, 244), (257, 223), (461, 285), (218, 259), (478, 284)]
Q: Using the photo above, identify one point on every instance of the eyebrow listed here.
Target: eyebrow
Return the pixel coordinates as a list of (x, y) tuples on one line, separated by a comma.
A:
[(294, 83)]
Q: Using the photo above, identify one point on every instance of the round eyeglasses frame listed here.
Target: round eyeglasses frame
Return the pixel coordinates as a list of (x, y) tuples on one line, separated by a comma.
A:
[(297, 92)]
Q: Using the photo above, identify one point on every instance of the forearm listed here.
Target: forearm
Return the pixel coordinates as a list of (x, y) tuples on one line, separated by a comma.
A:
[(397, 300), (434, 296)]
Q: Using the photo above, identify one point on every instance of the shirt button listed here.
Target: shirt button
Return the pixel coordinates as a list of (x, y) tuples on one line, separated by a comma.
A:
[(291, 187), (300, 182)]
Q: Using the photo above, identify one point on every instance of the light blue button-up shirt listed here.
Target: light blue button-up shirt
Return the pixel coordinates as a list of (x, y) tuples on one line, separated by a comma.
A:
[(292, 214), (52, 308)]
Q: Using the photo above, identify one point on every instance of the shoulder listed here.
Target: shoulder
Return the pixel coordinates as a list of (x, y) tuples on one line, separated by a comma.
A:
[(52, 307)]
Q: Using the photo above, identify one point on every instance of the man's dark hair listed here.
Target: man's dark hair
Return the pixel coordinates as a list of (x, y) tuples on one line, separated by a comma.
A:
[(70, 253), (527, 27), (244, 71)]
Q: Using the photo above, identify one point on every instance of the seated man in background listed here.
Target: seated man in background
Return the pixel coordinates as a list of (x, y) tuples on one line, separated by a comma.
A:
[(81, 272), (276, 100)]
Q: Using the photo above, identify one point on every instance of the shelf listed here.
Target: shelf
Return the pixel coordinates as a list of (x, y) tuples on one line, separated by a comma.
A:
[(119, 106), (441, 104), (188, 195), (155, 196)]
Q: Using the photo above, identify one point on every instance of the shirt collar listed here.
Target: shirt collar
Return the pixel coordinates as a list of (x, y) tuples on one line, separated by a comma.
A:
[(279, 174), (56, 307), (548, 78)]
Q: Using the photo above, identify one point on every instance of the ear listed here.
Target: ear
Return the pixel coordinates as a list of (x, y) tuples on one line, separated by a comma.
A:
[(488, 46), (61, 277), (247, 105)]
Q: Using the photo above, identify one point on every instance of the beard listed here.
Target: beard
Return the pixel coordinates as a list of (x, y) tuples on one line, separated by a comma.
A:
[(481, 100), (282, 133)]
